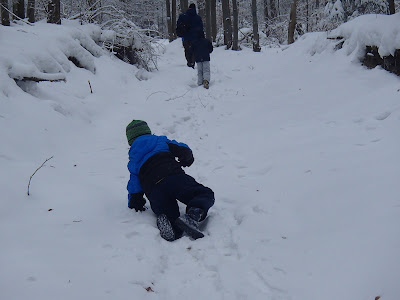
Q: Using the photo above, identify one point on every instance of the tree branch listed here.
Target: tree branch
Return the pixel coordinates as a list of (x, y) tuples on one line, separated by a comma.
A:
[(26, 22), (36, 171)]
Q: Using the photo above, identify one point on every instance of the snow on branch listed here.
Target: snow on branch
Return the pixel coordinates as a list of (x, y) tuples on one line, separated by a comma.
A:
[(123, 37)]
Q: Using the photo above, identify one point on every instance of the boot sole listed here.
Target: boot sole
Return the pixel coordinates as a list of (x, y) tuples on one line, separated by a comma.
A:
[(166, 229)]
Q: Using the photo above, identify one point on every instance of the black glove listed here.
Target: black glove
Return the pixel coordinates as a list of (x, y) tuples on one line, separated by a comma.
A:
[(183, 153), (187, 159), (137, 202)]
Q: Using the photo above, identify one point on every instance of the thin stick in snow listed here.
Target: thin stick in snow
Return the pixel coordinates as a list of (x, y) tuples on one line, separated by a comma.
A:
[(91, 91), (36, 171)]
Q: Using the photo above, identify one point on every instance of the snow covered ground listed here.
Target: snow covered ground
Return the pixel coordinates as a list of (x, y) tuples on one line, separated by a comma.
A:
[(300, 145)]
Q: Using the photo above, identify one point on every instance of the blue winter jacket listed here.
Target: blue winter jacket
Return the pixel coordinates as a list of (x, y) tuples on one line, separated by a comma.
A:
[(202, 48), (151, 158), (191, 18)]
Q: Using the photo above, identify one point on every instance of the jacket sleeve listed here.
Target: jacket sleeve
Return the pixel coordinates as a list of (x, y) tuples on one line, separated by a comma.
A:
[(134, 185), (210, 46), (182, 152)]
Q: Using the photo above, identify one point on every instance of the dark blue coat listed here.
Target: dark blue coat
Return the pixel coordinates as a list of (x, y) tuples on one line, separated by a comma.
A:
[(202, 48), (151, 158), (193, 20)]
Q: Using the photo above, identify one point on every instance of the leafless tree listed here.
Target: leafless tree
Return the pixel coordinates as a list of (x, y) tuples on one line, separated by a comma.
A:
[(169, 21), (214, 20), (201, 9), (266, 12), (272, 9), (292, 22), (227, 24), (173, 19), (235, 11), (391, 7), (19, 8), (30, 11), (183, 5), (307, 16), (54, 12), (208, 19), (256, 37), (5, 15)]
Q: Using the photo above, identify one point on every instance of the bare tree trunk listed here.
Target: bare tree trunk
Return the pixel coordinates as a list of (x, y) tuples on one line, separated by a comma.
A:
[(214, 20), (30, 11), (5, 15), (316, 3), (91, 4), (184, 5), (208, 19), (278, 11), (292, 22), (54, 12), (272, 9), (392, 9), (169, 23), (307, 16), (256, 37), (201, 9), (19, 8), (226, 15), (235, 11), (266, 12), (173, 20)]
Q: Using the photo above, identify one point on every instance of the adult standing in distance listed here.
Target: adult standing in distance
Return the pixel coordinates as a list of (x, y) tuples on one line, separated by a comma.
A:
[(188, 27)]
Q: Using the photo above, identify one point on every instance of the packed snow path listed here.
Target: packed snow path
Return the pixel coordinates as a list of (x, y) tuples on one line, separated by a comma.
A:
[(301, 151)]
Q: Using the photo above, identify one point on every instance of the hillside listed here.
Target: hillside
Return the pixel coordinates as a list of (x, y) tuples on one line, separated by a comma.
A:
[(300, 145)]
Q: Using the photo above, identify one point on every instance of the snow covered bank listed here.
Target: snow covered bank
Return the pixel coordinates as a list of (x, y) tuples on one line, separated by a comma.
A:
[(44, 51), (381, 31), (301, 151)]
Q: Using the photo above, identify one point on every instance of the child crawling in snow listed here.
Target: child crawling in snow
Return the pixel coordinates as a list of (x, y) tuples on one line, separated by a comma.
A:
[(155, 166)]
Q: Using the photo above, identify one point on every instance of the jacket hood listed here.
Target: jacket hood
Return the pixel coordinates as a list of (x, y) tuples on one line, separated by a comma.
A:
[(191, 11)]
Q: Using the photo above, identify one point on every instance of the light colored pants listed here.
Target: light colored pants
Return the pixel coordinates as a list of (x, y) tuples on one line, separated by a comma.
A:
[(203, 72)]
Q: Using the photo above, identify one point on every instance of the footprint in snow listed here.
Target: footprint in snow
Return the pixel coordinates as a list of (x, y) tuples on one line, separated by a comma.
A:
[(383, 116)]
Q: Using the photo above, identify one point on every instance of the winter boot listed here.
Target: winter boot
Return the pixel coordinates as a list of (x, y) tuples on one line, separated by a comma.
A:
[(189, 226), (165, 227), (189, 223), (195, 213), (168, 231), (205, 84)]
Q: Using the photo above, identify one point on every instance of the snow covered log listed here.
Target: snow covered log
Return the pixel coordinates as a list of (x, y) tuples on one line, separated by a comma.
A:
[(374, 39), (120, 45), (390, 62), (38, 79)]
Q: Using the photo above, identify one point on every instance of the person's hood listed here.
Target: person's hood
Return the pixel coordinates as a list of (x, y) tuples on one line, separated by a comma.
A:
[(191, 11)]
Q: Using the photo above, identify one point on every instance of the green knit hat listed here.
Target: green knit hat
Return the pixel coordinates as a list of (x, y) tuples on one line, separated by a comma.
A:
[(135, 129)]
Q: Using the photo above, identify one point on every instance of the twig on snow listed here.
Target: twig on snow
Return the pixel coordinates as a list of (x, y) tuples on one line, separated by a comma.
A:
[(36, 171), (169, 99), (173, 98), (154, 94)]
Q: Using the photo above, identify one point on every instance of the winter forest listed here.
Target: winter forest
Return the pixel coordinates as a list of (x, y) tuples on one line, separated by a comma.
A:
[(234, 23), (296, 132)]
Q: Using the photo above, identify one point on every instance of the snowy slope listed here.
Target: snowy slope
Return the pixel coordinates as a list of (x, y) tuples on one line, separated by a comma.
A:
[(301, 151)]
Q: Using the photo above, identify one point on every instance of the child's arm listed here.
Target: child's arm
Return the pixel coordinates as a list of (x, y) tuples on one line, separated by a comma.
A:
[(135, 196), (182, 152), (136, 201)]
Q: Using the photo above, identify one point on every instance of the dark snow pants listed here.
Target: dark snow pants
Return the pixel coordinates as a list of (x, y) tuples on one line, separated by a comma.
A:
[(182, 187), (189, 54)]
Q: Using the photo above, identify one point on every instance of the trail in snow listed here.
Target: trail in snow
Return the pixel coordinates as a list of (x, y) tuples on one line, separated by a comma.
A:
[(294, 146)]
